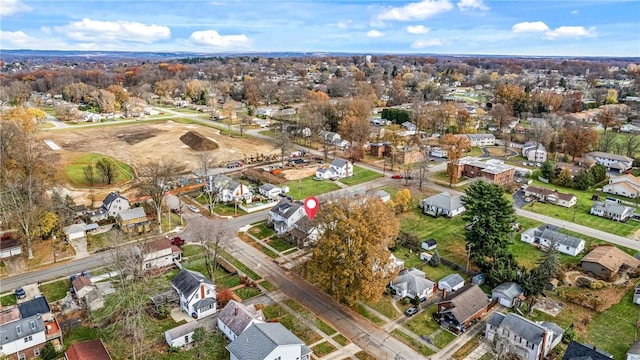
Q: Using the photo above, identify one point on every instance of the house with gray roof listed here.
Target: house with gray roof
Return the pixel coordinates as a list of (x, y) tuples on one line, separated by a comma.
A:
[(23, 337), (613, 162), (521, 336), (112, 205), (236, 317), (269, 191), (226, 189), (341, 168), (285, 214), (443, 204), (548, 235), (181, 335), (35, 306), (197, 293), (133, 220), (268, 341), (611, 210), (451, 282), (578, 351), (480, 139), (508, 294), (412, 282)]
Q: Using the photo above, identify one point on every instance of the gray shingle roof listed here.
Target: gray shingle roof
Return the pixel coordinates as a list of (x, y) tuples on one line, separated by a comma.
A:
[(466, 302), (509, 289), (452, 279), (204, 303), (267, 187), (259, 340), (182, 330), (236, 317), (132, 213), (413, 281), (111, 198), (560, 238), (29, 326), (610, 156), (578, 351), (286, 208), (338, 163), (39, 305), (188, 281), (524, 328)]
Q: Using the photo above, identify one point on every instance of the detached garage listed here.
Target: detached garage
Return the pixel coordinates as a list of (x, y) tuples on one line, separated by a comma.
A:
[(508, 294), (75, 231), (451, 282)]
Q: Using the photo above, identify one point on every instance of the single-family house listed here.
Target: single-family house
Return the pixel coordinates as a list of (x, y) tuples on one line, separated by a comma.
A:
[(269, 191), (429, 244), (159, 253), (636, 295), (625, 185), (551, 196), (23, 338), (450, 283), (342, 168), (82, 286), (508, 294), (35, 306), (457, 310), (634, 351), (268, 341), (534, 151), (197, 293), (546, 235), (613, 162), (324, 173), (74, 231), (227, 189), (409, 126), (481, 139), (87, 350), (133, 220), (412, 282), (235, 318), (606, 261), (611, 210), (443, 204), (438, 152), (493, 170), (578, 351), (527, 339), (9, 246), (303, 233), (112, 205), (181, 335), (329, 137), (285, 214)]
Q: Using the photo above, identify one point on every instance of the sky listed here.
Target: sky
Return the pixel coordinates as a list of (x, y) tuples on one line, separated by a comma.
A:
[(473, 27)]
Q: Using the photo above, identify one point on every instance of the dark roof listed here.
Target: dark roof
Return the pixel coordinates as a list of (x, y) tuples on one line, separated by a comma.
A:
[(338, 162), (578, 351), (88, 350), (259, 340), (560, 238), (111, 198), (39, 305), (9, 243), (466, 302), (431, 242), (188, 281)]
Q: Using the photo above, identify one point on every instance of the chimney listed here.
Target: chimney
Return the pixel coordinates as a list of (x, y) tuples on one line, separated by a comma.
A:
[(444, 293), (235, 311), (543, 346)]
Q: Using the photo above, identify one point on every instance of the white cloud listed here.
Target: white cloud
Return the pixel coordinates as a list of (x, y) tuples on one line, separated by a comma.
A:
[(467, 5), (113, 31), (571, 32), (10, 7), (575, 12), (416, 11), (417, 30), (344, 24), (213, 39), (419, 44), (525, 27), (374, 34), (16, 39)]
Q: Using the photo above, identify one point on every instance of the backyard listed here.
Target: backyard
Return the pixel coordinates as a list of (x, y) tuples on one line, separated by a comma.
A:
[(303, 188), (360, 175)]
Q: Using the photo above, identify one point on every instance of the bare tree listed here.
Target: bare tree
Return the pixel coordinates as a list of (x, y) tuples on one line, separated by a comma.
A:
[(631, 143), (423, 172), (282, 143), (206, 162), (213, 235), (607, 141), (153, 181), (89, 175)]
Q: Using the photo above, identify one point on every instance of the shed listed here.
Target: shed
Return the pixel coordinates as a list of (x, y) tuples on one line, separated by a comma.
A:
[(429, 244), (508, 294), (181, 335), (478, 279), (451, 282)]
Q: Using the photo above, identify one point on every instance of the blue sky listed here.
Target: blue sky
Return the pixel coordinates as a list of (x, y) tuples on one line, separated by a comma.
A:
[(514, 27)]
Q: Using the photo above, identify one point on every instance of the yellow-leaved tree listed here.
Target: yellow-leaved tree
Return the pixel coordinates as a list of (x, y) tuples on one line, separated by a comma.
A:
[(351, 259)]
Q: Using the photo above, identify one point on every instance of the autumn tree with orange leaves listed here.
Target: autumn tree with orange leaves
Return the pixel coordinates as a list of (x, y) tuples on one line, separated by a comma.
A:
[(455, 147)]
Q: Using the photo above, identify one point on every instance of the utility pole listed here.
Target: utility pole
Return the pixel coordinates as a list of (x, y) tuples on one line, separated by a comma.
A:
[(468, 255)]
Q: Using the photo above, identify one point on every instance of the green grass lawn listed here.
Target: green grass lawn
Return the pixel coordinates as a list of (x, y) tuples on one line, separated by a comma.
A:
[(411, 259), (75, 171), (361, 175), (247, 292), (422, 323), (363, 355), (443, 339), (56, 290), (475, 151), (303, 188), (321, 325), (385, 307), (280, 245), (413, 343), (367, 314), (8, 300), (261, 231), (322, 349), (82, 333), (340, 339), (467, 348), (240, 266), (267, 286), (582, 215)]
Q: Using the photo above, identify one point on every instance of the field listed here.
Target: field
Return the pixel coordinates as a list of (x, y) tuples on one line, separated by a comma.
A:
[(74, 171)]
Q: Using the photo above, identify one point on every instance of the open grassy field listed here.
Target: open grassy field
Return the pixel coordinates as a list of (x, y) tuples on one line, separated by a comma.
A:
[(303, 188), (360, 176), (74, 171)]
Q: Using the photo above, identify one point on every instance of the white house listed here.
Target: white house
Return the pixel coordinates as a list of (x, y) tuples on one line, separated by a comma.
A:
[(534, 151), (551, 196), (438, 152), (197, 293), (235, 318), (443, 204), (23, 337), (611, 210), (636, 295), (527, 339), (341, 168), (613, 162), (625, 185), (268, 341), (324, 173), (285, 214), (269, 191), (508, 294), (74, 231), (181, 335), (226, 189), (451, 282), (114, 203), (545, 235), (82, 286), (159, 253), (481, 139), (412, 282), (429, 244)]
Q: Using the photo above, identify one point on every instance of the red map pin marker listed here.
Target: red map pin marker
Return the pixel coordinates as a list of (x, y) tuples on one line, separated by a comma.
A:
[(311, 206)]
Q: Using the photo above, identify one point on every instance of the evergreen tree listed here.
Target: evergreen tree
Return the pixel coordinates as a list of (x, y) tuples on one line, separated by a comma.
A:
[(435, 259), (583, 180), (547, 170), (564, 179), (599, 173)]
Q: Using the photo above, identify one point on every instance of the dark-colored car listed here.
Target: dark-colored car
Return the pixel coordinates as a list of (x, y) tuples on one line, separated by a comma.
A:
[(20, 293), (411, 311)]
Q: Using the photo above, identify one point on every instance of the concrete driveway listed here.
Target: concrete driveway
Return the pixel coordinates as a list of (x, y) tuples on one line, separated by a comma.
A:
[(518, 199)]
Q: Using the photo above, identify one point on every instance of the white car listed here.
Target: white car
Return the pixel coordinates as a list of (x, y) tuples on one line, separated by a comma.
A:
[(193, 208)]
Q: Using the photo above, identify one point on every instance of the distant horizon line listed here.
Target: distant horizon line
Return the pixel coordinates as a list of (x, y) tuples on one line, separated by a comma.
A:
[(319, 53)]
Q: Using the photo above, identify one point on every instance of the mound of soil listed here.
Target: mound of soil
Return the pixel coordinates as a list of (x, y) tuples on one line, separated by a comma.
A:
[(198, 142), (135, 136)]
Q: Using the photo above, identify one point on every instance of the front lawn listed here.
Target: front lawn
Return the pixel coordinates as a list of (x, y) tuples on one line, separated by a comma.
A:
[(261, 231), (322, 349), (340, 339), (56, 290), (303, 188), (247, 292), (8, 300), (443, 339), (413, 343), (280, 245), (422, 323), (360, 175), (385, 307), (367, 314), (321, 325)]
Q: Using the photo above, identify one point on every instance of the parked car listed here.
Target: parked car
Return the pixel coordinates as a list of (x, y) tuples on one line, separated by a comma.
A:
[(411, 311), (20, 293), (176, 211), (193, 208), (397, 176), (234, 164)]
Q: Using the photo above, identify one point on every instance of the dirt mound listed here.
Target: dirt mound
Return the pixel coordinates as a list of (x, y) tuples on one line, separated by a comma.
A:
[(198, 142)]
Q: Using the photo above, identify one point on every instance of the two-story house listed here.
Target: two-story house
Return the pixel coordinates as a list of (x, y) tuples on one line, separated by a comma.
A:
[(269, 191), (112, 205), (613, 162), (481, 139), (285, 214), (159, 253), (268, 341), (457, 310), (235, 318), (227, 189), (133, 221), (197, 293), (534, 151), (521, 336), (625, 185)]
